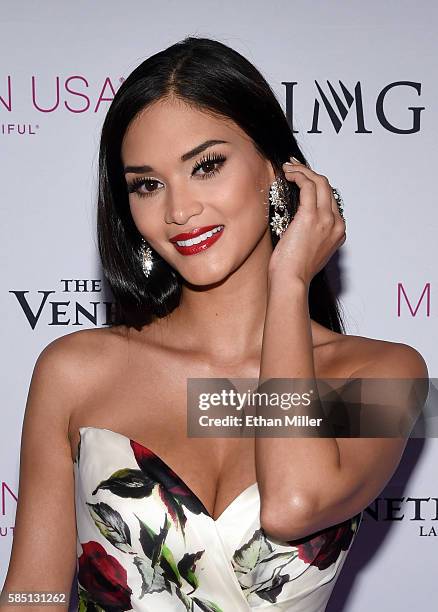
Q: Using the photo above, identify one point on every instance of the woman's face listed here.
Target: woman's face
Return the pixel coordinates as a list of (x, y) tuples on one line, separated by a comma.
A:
[(175, 189)]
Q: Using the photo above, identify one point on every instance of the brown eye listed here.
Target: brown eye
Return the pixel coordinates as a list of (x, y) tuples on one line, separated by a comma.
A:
[(210, 164), (208, 167), (136, 185), (149, 183)]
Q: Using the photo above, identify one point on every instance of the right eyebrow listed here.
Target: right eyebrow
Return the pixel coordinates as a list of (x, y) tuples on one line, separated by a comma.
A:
[(198, 149)]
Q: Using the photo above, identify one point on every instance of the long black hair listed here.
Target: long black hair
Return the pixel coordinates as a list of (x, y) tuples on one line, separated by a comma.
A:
[(213, 77)]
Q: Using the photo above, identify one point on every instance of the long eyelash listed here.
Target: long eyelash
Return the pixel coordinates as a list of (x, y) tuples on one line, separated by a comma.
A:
[(136, 183), (210, 157)]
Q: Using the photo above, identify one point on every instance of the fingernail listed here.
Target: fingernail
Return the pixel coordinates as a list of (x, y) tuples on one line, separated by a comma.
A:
[(294, 159)]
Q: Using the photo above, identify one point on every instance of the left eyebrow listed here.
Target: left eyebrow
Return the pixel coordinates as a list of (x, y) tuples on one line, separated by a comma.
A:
[(198, 149)]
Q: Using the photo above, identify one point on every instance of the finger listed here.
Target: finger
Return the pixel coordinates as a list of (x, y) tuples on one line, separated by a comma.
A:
[(308, 192), (323, 189), (339, 225), (322, 183)]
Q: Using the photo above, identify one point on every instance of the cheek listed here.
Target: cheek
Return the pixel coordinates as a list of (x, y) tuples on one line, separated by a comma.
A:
[(136, 208), (143, 215), (243, 198)]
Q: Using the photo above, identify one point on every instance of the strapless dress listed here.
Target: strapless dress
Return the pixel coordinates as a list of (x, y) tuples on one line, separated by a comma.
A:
[(146, 542)]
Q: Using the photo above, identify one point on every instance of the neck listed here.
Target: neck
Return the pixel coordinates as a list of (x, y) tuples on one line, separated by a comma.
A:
[(224, 322)]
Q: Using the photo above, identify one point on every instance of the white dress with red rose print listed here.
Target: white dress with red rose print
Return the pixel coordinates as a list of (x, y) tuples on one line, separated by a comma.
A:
[(146, 542)]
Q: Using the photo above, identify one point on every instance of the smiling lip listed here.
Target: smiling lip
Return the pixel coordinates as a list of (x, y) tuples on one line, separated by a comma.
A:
[(200, 246), (193, 233)]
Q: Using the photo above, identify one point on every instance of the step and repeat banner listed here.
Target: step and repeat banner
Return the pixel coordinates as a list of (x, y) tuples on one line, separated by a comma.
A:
[(359, 83)]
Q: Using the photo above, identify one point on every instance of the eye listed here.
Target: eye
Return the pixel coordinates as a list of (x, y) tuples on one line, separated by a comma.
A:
[(135, 185), (208, 163)]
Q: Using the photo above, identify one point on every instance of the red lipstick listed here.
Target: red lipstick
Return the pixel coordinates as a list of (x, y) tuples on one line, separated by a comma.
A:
[(205, 243)]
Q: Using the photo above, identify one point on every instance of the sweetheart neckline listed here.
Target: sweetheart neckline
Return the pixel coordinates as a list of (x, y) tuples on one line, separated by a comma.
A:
[(215, 520)]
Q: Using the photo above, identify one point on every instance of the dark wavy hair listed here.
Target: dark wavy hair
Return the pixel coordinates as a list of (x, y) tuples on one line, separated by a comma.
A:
[(215, 78)]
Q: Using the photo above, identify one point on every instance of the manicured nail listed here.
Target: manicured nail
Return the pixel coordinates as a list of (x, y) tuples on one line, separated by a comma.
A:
[(295, 160)]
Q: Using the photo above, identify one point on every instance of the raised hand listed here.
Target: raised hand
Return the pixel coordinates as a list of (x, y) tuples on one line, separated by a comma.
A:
[(316, 231)]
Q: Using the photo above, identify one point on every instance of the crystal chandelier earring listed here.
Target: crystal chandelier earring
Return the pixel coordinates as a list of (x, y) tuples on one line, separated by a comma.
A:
[(278, 197), (146, 257)]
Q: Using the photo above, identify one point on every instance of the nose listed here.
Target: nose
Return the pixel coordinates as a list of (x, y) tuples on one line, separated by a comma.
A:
[(181, 205)]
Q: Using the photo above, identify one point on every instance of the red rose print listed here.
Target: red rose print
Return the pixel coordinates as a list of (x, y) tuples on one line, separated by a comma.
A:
[(323, 548), (104, 579)]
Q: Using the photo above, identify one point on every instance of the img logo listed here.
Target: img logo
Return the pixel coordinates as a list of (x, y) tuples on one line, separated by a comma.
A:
[(342, 102)]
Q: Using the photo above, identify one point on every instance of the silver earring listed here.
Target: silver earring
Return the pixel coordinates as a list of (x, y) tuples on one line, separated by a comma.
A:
[(147, 260), (339, 201), (278, 196)]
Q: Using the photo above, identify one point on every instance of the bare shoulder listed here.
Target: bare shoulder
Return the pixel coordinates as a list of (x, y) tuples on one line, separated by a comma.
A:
[(381, 358), (370, 357), (86, 344), (70, 364)]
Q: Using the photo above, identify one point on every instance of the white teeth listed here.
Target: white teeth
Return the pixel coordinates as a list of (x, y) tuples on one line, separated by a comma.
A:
[(200, 238)]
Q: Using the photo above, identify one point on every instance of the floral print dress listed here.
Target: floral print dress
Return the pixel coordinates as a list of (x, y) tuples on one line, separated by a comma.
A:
[(145, 541)]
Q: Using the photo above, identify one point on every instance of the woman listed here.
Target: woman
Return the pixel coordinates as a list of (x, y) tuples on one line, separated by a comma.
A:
[(214, 241)]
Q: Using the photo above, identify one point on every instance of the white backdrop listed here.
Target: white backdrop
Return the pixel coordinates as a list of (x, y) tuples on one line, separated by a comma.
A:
[(60, 64)]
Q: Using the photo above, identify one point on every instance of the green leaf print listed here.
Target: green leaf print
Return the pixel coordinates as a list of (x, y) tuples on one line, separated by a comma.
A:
[(153, 579), (161, 572), (111, 525), (155, 548), (127, 483), (187, 567), (247, 557), (257, 568), (187, 601), (206, 605), (202, 604), (270, 592)]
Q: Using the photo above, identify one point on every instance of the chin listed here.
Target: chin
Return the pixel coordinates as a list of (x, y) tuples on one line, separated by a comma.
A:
[(205, 275)]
